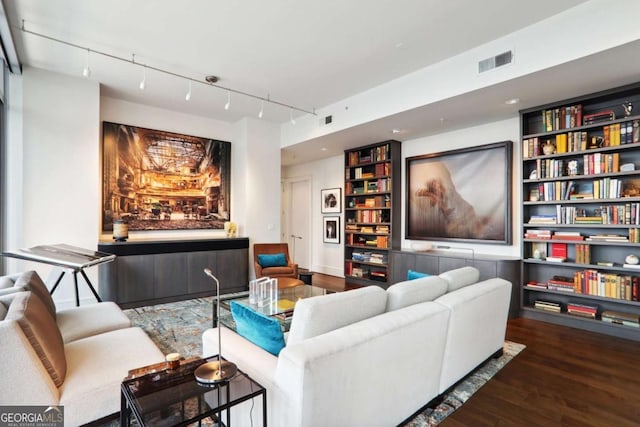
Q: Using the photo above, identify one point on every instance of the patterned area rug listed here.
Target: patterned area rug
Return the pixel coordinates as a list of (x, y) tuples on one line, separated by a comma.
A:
[(178, 327)]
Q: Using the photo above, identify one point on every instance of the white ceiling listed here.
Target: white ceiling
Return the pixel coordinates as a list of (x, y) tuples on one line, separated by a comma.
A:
[(303, 53)]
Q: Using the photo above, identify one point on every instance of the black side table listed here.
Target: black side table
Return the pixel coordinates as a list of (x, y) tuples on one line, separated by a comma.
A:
[(164, 397)]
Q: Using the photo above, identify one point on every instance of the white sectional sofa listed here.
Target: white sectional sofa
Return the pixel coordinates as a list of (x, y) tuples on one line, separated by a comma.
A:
[(76, 358), (373, 357)]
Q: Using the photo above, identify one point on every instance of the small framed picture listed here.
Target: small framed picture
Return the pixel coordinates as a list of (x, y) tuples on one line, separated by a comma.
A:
[(331, 200), (331, 229)]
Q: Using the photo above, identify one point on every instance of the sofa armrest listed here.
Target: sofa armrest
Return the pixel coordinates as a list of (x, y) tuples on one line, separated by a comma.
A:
[(25, 380), (477, 326), (251, 359), (260, 365)]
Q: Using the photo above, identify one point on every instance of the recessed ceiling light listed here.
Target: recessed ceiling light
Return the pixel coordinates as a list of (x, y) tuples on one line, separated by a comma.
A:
[(399, 45), (512, 101), (395, 131), (323, 149)]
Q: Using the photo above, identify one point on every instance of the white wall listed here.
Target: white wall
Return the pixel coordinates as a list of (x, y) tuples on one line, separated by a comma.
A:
[(329, 173), (479, 135), (58, 180), (257, 183), (326, 258)]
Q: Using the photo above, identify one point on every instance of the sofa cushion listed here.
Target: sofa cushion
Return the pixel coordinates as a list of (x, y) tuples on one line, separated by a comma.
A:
[(272, 260), (318, 315), (40, 328), (91, 319), (97, 366), (412, 275), (461, 277), (263, 331), (31, 281), (274, 271), (403, 294)]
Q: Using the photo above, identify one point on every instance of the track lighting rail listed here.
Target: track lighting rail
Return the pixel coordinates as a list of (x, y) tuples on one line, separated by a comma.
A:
[(167, 72)]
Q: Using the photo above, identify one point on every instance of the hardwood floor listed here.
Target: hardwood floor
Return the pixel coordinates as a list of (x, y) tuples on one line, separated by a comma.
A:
[(565, 377)]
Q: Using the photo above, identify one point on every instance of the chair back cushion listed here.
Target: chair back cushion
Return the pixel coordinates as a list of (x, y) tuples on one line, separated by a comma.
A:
[(40, 328), (318, 315), (403, 294), (272, 260), (263, 331), (461, 277)]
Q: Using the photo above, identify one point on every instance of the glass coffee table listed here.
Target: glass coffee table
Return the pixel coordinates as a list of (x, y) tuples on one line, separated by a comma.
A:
[(282, 309)]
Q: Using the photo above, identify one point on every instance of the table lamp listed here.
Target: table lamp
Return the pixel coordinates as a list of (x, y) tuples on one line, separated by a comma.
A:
[(221, 370)]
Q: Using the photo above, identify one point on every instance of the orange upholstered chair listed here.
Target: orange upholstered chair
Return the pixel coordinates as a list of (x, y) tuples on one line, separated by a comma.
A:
[(273, 264)]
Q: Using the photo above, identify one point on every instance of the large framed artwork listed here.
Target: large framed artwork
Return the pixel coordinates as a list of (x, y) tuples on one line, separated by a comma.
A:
[(158, 180), (462, 195)]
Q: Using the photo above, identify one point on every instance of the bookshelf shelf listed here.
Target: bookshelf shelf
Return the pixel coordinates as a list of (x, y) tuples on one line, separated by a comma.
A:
[(372, 211), (588, 185)]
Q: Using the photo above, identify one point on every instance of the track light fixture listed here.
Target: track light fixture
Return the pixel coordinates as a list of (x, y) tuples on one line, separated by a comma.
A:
[(87, 71), (228, 104), (143, 82), (261, 113), (188, 95), (209, 80)]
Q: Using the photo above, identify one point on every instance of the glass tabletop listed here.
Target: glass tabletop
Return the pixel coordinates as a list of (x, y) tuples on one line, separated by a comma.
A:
[(174, 397), (282, 308)]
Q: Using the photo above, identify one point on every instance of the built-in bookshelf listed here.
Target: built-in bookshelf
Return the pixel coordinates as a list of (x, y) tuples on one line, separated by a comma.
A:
[(372, 211), (581, 212)]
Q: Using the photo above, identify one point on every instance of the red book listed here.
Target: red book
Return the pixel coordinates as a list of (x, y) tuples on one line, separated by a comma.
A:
[(559, 250)]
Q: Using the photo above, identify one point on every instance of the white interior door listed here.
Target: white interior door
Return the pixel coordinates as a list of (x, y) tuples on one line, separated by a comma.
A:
[(298, 221)]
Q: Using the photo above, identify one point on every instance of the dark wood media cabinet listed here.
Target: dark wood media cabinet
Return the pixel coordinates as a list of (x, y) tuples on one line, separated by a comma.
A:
[(439, 261), (149, 272)]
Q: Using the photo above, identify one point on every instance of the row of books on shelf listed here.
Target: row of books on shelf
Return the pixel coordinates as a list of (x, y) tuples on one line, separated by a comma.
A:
[(590, 312), (370, 257), (558, 253), (375, 154), (368, 229), (365, 273), (621, 133), (561, 118), (596, 283), (370, 202), (590, 164), (612, 135), (380, 242), (368, 216), (374, 186), (620, 214), (372, 171), (627, 214), (604, 188)]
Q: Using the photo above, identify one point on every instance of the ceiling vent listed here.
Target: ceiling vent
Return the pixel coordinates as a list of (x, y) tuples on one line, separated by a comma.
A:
[(495, 61)]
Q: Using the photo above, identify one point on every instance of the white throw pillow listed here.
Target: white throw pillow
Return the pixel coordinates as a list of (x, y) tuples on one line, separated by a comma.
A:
[(403, 294), (318, 315), (461, 277)]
